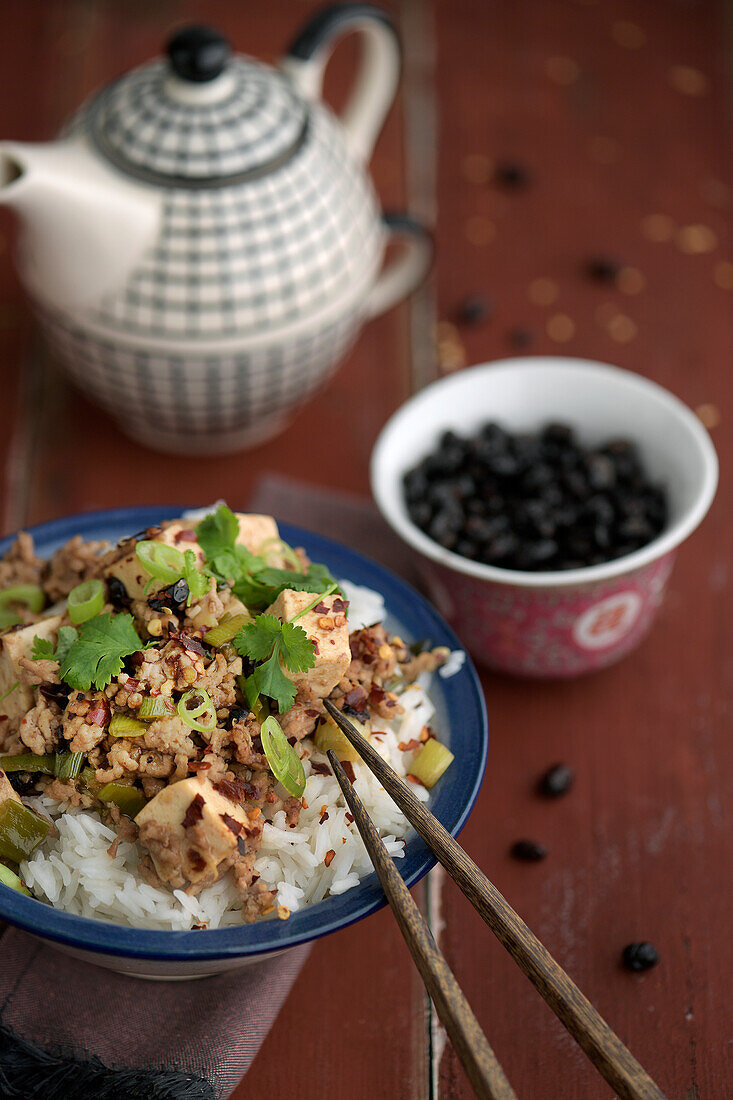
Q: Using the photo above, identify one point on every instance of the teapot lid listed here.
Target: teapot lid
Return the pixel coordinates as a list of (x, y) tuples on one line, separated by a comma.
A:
[(202, 117)]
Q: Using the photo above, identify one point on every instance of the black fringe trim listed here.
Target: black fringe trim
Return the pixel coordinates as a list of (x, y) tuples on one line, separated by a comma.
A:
[(28, 1072)]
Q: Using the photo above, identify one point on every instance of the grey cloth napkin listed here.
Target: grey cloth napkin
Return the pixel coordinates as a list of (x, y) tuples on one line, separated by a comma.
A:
[(72, 1031)]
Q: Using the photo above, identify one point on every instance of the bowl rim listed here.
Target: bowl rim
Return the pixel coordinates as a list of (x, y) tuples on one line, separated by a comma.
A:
[(398, 518), (262, 937)]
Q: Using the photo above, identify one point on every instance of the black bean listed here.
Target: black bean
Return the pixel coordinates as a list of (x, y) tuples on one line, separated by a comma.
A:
[(474, 309), (420, 513), (118, 596), (603, 268), (512, 174), (640, 956), (601, 471), (236, 714), (174, 596), (521, 337), (556, 781), (529, 851)]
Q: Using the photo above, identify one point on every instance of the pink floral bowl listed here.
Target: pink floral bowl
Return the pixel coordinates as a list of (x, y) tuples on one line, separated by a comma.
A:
[(552, 624)]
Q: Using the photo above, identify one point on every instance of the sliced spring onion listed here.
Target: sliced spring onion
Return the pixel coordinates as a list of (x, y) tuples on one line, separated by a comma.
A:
[(197, 710), (227, 629), (285, 552), (430, 763), (29, 762), (21, 830), (122, 725), (89, 779), (329, 736), (197, 581), (286, 765), (163, 563), (86, 601), (155, 706), (128, 798), (68, 764), (9, 878), (30, 596)]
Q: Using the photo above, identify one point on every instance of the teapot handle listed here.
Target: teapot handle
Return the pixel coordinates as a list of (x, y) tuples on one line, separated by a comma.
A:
[(376, 83), (406, 271)]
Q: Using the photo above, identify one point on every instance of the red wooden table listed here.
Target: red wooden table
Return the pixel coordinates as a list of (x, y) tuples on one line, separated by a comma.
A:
[(616, 114)]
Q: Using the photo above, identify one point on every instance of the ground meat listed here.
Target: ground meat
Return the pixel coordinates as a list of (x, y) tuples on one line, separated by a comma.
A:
[(10, 742), (372, 657), (258, 901), (207, 610), (40, 729), (121, 760), (157, 765), (73, 563), (424, 662), (65, 791), (125, 827), (20, 564), (219, 680), (172, 736), (151, 787), (292, 808), (300, 720), (241, 737), (165, 845), (81, 734), (38, 672)]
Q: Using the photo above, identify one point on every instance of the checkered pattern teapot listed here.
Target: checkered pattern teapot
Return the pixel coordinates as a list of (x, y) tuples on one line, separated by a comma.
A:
[(203, 243)]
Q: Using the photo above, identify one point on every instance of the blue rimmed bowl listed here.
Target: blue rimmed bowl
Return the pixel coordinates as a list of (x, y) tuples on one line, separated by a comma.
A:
[(461, 719)]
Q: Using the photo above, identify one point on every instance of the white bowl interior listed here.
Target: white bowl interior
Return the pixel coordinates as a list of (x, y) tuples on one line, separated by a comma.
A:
[(601, 402)]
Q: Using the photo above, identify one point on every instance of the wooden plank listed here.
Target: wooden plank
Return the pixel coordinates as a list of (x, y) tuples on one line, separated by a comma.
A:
[(638, 849)]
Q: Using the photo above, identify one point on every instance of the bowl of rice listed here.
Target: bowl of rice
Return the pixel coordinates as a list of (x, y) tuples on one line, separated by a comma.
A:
[(88, 894)]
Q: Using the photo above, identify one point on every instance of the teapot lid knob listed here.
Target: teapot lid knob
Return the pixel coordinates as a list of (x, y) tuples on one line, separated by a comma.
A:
[(198, 53)]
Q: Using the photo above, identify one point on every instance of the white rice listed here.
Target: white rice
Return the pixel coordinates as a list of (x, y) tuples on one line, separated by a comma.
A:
[(75, 872)]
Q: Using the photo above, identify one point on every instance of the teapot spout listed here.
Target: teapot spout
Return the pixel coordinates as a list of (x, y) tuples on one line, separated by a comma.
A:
[(84, 227)]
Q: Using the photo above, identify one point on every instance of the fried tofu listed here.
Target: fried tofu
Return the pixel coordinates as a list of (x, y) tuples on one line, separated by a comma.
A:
[(329, 633)]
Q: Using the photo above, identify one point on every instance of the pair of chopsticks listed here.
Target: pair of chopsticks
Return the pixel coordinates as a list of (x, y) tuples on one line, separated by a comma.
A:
[(604, 1048)]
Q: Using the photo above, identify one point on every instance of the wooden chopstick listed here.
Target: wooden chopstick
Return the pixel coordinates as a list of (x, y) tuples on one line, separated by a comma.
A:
[(484, 1072), (604, 1048)]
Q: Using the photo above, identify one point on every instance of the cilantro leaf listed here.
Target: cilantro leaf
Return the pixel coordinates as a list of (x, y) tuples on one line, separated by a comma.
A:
[(256, 639), (66, 637), (269, 679), (296, 648), (97, 654), (218, 532), (274, 644), (43, 649)]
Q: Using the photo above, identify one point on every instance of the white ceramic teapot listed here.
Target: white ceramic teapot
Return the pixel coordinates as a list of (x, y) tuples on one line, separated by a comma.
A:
[(203, 243)]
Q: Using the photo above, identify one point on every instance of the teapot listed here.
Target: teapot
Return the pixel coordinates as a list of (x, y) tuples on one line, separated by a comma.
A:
[(203, 242)]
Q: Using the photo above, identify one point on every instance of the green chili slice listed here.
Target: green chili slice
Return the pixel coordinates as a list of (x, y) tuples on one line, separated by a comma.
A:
[(86, 601), (68, 764), (197, 710), (29, 762), (9, 878), (155, 706), (286, 765), (30, 596), (122, 725), (225, 631), (129, 799), (21, 830), (164, 563)]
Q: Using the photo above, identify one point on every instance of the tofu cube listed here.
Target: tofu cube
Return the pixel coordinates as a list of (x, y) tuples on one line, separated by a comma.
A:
[(192, 819), (14, 644), (331, 642), (130, 571), (255, 531)]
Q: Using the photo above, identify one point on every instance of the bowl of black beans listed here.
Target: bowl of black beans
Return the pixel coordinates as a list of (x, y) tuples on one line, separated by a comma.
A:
[(546, 498)]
